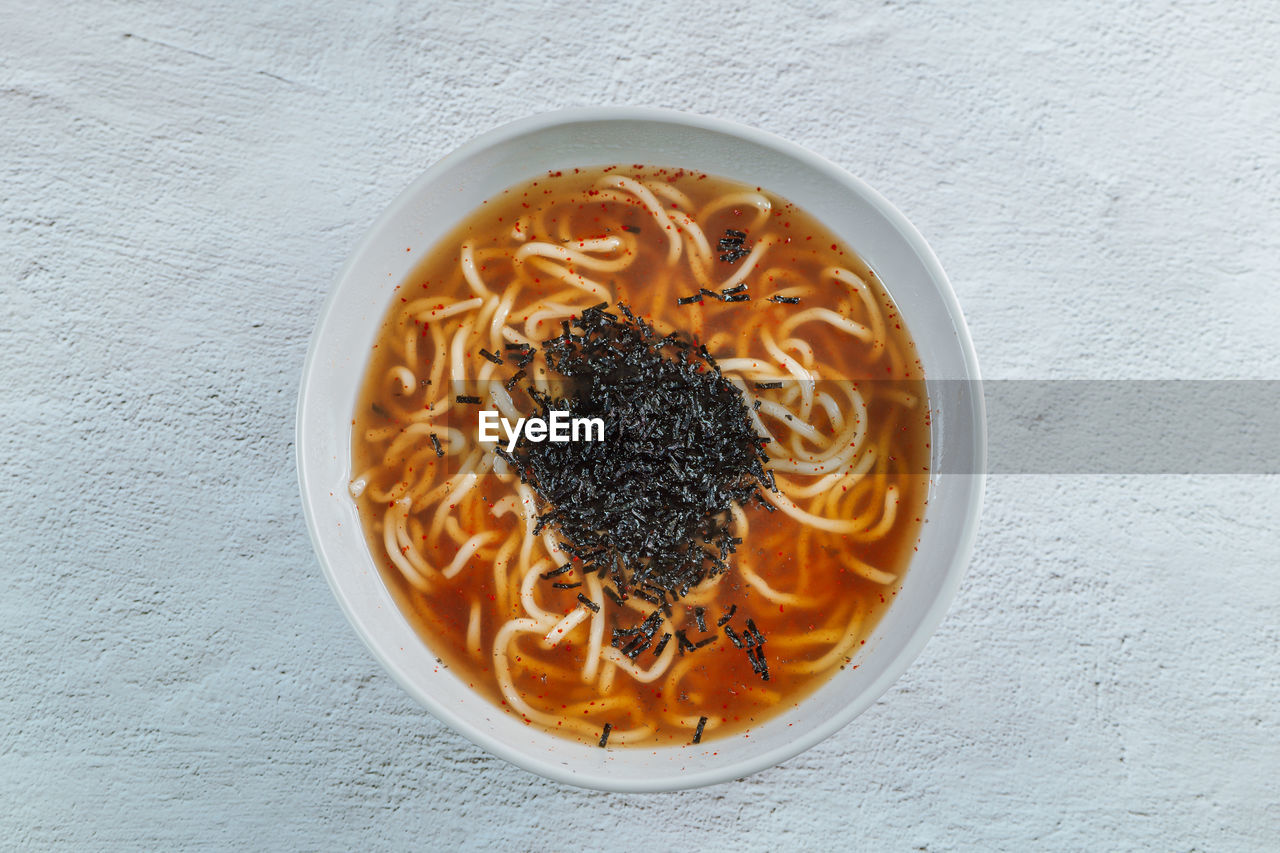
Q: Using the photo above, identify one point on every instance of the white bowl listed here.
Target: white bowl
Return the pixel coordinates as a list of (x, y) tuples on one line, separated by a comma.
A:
[(450, 190)]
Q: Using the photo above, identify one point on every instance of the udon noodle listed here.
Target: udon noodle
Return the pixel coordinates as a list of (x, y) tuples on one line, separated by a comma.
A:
[(823, 362)]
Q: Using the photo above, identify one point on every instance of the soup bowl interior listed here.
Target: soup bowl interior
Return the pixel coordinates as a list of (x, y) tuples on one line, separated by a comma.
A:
[(446, 194)]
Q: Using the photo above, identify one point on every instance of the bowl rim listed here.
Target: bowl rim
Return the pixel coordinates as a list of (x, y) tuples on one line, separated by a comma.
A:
[(924, 627)]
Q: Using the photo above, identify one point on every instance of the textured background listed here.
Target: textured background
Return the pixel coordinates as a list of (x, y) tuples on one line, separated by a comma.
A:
[(179, 187)]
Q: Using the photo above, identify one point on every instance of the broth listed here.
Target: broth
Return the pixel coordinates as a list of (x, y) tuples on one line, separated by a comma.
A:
[(452, 530)]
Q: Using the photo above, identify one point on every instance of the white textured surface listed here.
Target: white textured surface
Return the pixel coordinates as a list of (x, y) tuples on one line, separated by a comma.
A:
[(180, 186)]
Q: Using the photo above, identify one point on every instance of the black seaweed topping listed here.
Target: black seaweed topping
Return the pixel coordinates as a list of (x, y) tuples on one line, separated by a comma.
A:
[(516, 377), (733, 637), (785, 300), (496, 359), (697, 733), (662, 644), (651, 625), (521, 354), (573, 585), (644, 596), (700, 616), (658, 591), (636, 646), (604, 735), (620, 634), (759, 665), (595, 608), (468, 398), (556, 571), (639, 637), (765, 386), (689, 300), (724, 620), (652, 504), (733, 246), (435, 443)]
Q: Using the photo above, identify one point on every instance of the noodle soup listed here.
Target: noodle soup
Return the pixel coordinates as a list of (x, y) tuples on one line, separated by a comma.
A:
[(754, 361)]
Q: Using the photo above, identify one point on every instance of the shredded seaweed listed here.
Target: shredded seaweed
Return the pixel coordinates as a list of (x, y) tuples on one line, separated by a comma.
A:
[(435, 444), (516, 377), (469, 398), (697, 733), (644, 596), (785, 300), (495, 358), (651, 506), (724, 620), (636, 646), (604, 735), (595, 608), (651, 625), (733, 246), (759, 665), (522, 354)]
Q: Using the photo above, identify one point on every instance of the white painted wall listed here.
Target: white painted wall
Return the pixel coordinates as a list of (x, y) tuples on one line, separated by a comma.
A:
[(179, 183)]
